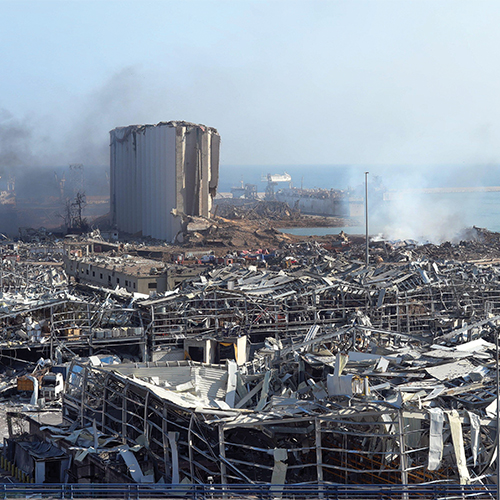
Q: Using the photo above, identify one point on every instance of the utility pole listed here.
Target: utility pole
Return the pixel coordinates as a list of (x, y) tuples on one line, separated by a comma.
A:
[(1, 273), (366, 218), (496, 332)]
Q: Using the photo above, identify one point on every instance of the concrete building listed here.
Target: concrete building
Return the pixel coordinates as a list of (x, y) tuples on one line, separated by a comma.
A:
[(134, 274), (158, 173)]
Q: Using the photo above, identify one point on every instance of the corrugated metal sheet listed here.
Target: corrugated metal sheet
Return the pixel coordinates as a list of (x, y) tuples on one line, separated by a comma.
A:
[(209, 381)]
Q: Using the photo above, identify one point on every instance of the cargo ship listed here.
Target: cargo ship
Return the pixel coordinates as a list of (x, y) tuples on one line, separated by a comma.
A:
[(325, 202)]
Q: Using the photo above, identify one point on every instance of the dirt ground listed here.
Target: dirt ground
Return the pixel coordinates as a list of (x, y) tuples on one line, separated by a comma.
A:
[(243, 234)]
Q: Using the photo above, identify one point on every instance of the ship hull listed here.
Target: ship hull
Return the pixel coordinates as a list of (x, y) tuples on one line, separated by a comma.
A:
[(330, 206)]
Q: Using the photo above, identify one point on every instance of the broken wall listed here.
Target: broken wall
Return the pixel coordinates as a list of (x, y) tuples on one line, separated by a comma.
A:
[(159, 168)]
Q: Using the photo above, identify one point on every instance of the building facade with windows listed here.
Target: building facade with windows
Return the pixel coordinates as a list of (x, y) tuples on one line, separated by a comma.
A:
[(134, 274)]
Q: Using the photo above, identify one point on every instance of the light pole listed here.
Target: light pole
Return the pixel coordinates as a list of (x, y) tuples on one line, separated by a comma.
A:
[(366, 217), (495, 330)]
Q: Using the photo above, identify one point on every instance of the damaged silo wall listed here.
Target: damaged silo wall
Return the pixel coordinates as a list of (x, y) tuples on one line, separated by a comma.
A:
[(157, 169)]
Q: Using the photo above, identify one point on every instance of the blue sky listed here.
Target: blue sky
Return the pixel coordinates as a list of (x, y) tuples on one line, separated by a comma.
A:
[(310, 82)]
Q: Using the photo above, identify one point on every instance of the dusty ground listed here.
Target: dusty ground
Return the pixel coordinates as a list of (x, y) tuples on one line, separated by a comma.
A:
[(252, 225), (223, 236), (277, 212), (246, 234), (242, 227), (228, 237)]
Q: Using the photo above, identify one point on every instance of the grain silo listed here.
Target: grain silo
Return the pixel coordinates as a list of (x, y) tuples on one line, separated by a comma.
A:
[(159, 172)]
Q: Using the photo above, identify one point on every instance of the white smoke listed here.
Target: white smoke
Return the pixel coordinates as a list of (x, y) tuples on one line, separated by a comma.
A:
[(408, 206)]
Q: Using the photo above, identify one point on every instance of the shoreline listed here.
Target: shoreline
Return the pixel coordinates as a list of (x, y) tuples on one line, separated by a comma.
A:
[(317, 221)]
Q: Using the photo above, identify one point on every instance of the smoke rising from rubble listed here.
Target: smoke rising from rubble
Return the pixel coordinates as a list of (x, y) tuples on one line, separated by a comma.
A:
[(412, 216), (78, 133), (119, 101), (15, 139), (34, 148), (408, 212)]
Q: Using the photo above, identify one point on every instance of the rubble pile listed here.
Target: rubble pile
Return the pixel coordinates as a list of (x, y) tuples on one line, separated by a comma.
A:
[(474, 244), (257, 210), (295, 364), (383, 409), (224, 233)]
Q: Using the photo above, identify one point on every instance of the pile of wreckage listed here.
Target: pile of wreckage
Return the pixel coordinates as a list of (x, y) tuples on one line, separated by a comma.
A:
[(326, 372), (383, 409), (255, 210), (322, 371)]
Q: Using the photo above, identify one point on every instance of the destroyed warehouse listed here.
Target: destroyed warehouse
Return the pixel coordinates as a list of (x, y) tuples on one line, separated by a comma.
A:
[(290, 363), (326, 371)]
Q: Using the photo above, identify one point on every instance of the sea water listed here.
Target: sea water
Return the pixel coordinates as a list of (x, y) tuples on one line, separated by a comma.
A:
[(412, 214), (441, 215)]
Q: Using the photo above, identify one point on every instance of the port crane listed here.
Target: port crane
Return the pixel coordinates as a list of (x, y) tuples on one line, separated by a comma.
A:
[(272, 180)]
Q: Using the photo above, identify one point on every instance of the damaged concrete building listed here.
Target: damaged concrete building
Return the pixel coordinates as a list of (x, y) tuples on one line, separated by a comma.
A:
[(160, 173)]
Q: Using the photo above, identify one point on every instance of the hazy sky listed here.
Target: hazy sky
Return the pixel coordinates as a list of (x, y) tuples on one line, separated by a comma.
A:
[(307, 82)]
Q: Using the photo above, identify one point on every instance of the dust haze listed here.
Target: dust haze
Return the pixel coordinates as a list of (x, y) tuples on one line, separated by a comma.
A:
[(405, 209), (36, 149)]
